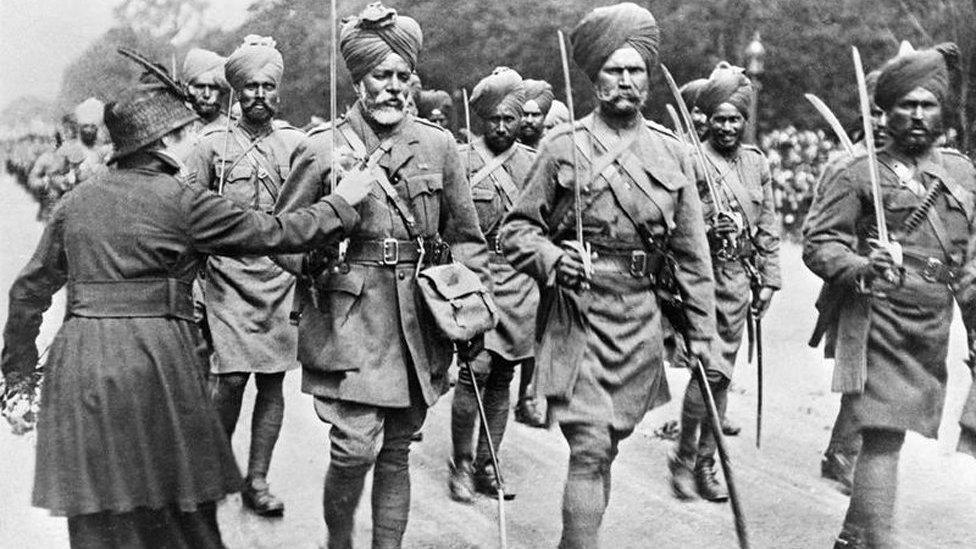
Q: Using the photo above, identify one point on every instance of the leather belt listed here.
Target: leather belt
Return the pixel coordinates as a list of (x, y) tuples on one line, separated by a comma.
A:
[(152, 297), (388, 251), (931, 269), (637, 263)]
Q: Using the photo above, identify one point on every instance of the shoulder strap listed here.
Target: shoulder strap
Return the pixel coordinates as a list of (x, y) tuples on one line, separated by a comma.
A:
[(273, 182), (494, 168), (735, 188)]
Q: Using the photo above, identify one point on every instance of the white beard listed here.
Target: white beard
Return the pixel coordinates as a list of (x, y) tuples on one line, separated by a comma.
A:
[(383, 115)]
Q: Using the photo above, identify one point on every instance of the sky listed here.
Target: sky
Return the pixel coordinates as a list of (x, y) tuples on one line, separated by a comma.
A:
[(39, 38)]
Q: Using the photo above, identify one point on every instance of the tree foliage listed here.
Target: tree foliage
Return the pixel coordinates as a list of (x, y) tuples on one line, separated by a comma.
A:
[(807, 43)]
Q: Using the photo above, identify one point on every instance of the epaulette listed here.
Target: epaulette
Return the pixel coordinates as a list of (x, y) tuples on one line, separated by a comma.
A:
[(753, 148), (527, 148), (949, 151), (323, 127), (562, 129), (662, 129), (211, 129), (284, 125), (429, 124)]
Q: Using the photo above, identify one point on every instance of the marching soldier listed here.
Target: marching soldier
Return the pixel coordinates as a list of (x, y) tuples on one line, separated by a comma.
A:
[(204, 74), (498, 166), (744, 238), (600, 354), (248, 299), (370, 352), (896, 313), (538, 101)]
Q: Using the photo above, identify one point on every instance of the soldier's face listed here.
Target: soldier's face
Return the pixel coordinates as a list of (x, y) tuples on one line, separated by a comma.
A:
[(915, 121), (502, 126), (384, 92), (438, 117), (206, 96), (622, 83), (879, 123), (700, 120), (725, 127), (88, 134), (259, 99), (532, 120)]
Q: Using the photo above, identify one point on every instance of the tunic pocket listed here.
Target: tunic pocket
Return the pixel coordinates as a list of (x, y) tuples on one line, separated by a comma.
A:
[(238, 184), (425, 196), (341, 292)]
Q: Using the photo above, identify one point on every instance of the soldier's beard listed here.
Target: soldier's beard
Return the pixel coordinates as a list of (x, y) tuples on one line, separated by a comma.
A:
[(384, 108)]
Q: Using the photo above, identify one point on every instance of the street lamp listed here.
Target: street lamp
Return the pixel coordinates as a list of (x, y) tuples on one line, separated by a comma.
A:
[(755, 55)]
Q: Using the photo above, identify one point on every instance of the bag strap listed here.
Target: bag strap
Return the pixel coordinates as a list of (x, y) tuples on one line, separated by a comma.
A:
[(925, 207), (735, 188), (493, 167), (260, 163), (372, 163)]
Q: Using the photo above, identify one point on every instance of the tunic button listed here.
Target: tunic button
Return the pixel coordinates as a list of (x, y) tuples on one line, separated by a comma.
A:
[(400, 276)]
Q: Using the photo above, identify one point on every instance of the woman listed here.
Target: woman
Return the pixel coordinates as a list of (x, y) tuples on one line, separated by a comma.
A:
[(129, 447)]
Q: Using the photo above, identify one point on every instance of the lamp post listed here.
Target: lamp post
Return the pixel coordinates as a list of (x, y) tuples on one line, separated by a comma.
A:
[(755, 55)]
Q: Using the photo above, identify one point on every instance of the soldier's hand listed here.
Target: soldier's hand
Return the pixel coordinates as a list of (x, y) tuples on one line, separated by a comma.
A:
[(469, 350), (571, 268), (724, 225), (881, 264), (702, 351), (354, 186), (760, 302)]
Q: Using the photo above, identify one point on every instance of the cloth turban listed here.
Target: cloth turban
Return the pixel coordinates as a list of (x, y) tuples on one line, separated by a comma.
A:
[(365, 41), (503, 87), (204, 66), (726, 84), (256, 57), (927, 69), (607, 29), (89, 111), (539, 91), (558, 114), (689, 91), (431, 100)]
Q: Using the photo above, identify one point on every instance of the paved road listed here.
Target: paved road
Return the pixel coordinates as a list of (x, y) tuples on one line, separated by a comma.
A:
[(787, 504)]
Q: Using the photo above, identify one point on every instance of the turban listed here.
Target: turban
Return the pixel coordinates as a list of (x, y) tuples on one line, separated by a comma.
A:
[(365, 41), (690, 90), (204, 66), (89, 111), (558, 114), (256, 57), (503, 87), (927, 69), (726, 84), (541, 92), (431, 100), (607, 29)]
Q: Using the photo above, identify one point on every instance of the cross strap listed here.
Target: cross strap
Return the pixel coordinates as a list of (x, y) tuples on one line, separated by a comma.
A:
[(735, 187), (500, 177)]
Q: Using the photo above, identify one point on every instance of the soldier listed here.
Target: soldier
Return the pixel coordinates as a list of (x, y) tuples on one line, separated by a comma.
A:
[(896, 312), (689, 94), (497, 166), (744, 239), (599, 358), (845, 438), (370, 353), (204, 74), (248, 299), (76, 160), (538, 101)]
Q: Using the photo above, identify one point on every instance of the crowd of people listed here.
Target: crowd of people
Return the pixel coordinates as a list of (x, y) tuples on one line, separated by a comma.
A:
[(203, 248)]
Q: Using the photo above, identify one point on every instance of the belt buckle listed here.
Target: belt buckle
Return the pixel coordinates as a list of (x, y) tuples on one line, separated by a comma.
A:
[(931, 270), (638, 263), (391, 251)]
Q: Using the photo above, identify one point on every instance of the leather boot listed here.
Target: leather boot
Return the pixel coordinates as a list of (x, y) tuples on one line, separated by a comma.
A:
[(460, 482), (730, 429), (682, 479), (257, 497), (709, 487), (839, 467), (486, 483)]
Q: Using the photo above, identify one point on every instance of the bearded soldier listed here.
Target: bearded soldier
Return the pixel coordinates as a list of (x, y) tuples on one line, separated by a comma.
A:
[(248, 299), (498, 167), (370, 352), (204, 74), (744, 239), (895, 315), (538, 101), (600, 354)]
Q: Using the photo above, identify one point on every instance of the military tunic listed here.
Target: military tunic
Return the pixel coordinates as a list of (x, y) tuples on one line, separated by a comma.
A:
[(599, 354), (516, 294), (369, 338), (891, 350), (248, 298), (743, 185)]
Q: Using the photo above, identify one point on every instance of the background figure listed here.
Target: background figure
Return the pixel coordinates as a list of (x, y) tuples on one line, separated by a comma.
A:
[(436, 106), (206, 84), (538, 101), (248, 299)]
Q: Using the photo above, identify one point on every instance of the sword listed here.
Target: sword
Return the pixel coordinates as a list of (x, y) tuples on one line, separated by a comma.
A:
[(675, 121), (831, 119), (759, 381), (332, 97), (227, 130), (865, 103), (582, 247)]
